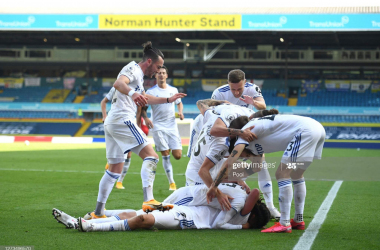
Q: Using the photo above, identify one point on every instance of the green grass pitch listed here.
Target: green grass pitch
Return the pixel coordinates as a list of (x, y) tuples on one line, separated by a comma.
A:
[(36, 178)]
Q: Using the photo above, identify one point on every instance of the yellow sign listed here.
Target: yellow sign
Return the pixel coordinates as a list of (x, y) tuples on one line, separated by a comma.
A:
[(212, 84), (11, 82), (170, 22)]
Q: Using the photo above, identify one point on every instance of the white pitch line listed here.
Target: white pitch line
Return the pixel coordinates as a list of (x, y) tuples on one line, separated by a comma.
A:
[(308, 237), (70, 171)]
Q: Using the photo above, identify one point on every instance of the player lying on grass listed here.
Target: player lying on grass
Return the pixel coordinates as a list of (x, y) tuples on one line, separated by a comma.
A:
[(301, 139), (253, 215)]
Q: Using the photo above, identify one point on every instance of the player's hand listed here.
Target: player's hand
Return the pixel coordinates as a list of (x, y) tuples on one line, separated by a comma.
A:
[(176, 96), (247, 99), (139, 99), (223, 200), (244, 186), (148, 123), (104, 118), (211, 194), (248, 135), (181, 116)]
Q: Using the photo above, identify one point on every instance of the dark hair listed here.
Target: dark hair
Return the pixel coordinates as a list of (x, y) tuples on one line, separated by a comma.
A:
[(150, 52), (236, 76), (166, 69), (262, 215)]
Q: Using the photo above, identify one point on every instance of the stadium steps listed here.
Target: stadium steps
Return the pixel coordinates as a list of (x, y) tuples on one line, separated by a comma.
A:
[(83, 129), (79, 99), (56, 96), (292, 101)]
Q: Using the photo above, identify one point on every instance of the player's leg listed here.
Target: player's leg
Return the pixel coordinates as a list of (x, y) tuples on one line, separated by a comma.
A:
[(115, 161), (285, 197), (143, 221), (127, 163), (299, 193), (148, 172), (175, 144), (266, 187), (161, 141)]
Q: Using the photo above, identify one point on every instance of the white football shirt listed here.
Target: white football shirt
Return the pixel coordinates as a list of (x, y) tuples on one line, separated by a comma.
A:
[(274, 132), (110, 94), (224, 93), (163, 115), (123, 108)]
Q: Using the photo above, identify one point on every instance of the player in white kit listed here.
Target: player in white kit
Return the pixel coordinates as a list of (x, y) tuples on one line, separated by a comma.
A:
[(245, 94), (163, 126), (127, 162), (249, 213), (301, 139), (122, 133)]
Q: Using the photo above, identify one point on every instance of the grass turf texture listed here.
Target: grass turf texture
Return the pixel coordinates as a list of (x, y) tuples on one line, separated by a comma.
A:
[(36, 178)]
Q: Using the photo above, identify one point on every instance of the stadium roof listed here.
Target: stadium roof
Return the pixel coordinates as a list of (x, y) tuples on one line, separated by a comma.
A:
[(189, 7)]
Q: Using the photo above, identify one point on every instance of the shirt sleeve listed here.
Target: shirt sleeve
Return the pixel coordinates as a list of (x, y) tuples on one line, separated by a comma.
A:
[(110, 94), (129, 72), (178, 101), (256, 91), (215, 95), (221, 221)]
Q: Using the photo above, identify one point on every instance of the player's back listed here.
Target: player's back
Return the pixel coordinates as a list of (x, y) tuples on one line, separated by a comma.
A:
[(274, 132)]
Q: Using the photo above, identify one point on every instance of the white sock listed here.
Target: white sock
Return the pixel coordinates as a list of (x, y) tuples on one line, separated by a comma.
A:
[(105, 187), (265, 185), (299, 187), (285, 197), (127, 163), (106, 220), (148, 173), (121, 225), (110, 213), (168, 168)]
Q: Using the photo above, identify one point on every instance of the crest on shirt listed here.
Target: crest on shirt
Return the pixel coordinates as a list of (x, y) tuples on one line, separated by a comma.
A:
[(230, 118), (258, 90)]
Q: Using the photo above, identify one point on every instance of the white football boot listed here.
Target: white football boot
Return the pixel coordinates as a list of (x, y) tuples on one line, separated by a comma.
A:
[(65, 219)]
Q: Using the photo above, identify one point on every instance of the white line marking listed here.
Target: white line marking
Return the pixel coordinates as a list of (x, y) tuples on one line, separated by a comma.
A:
[(308, 237), (70, 171)]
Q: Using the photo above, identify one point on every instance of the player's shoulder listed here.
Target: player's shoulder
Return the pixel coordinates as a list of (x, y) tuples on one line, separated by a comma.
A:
[(170, 87), (222, 89), (152, 89)]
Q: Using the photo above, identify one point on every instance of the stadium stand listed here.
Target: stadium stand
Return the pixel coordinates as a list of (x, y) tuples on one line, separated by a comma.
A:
[(335, 98)]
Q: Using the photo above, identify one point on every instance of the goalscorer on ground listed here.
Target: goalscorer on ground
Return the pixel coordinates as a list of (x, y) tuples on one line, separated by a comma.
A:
[(163, 125), (122, 133)]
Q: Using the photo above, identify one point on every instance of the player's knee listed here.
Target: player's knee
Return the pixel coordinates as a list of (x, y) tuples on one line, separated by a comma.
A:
[(177, 155)]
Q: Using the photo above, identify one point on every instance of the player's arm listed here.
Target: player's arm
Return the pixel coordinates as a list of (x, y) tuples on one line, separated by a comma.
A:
[(204, 171), (257, 102), (262, 113), (205, 104), (221, 221), (223, 172), (219, 129), (122, 85), (144, 115), (160, 100), (138, 116), (180, 110), (103, 106)]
